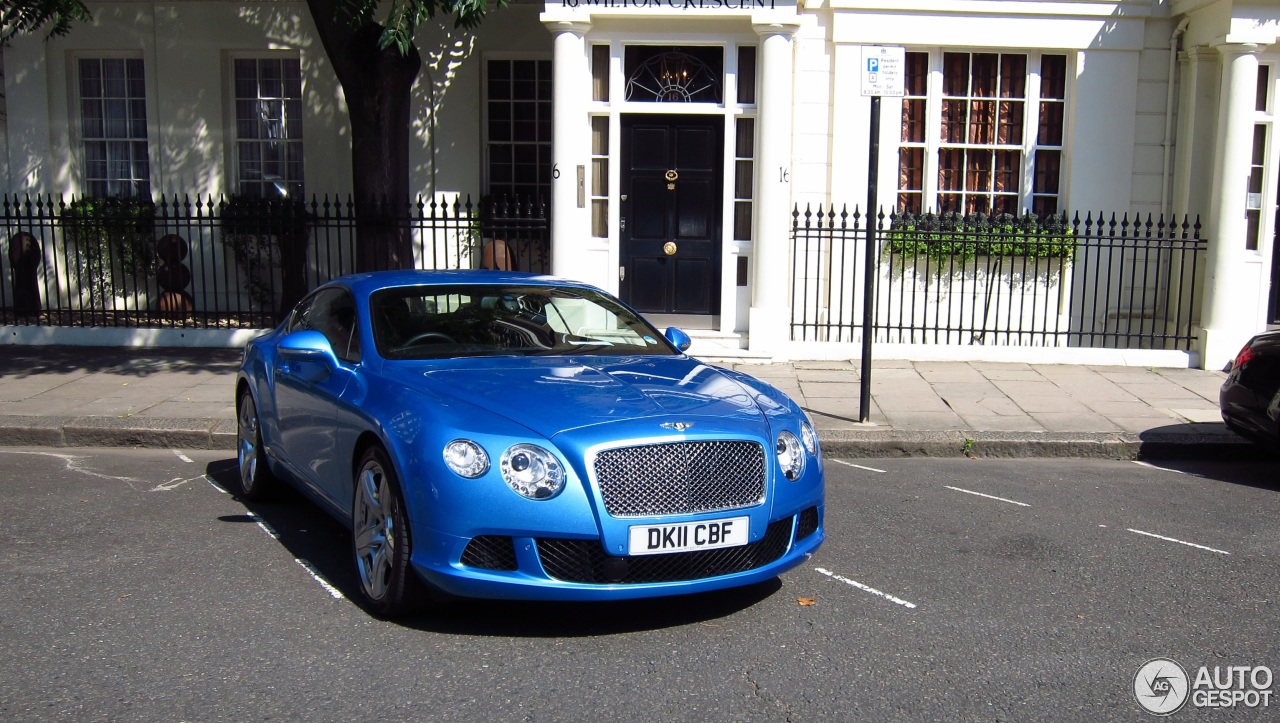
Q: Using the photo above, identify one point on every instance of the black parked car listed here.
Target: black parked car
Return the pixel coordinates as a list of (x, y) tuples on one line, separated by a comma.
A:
[(1250, 397)]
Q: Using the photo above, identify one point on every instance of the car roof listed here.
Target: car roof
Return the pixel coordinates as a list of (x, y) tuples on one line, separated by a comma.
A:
[(367, 283)]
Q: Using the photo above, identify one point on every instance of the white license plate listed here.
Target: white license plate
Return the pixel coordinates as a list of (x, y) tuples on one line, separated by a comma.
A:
[(687, 536)]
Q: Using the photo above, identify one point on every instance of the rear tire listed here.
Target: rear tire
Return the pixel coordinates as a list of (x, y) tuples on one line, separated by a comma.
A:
[(380, 539), (256, 480)]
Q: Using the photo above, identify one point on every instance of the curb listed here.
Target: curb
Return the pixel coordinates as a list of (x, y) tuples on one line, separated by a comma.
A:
[(220, 434), (1096, 445), (153, 432)]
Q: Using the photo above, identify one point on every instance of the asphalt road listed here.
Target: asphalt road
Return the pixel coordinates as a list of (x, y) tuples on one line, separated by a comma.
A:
[(133, 587)]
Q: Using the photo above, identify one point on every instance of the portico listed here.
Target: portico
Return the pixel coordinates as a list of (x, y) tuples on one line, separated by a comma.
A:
[(671, 159)]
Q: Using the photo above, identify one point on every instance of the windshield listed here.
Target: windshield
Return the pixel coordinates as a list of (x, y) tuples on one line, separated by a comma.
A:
[(434, 322)]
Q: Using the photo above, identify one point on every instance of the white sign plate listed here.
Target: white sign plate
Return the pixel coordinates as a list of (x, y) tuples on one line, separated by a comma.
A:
[(688, 536), (883, 70)]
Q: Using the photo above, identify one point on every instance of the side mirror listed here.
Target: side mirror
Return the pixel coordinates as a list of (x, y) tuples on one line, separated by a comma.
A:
[(678, 338), (309, 346)]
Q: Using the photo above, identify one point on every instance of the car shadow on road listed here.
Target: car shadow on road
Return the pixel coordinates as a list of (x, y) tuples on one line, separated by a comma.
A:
[(319, 541), (1229, 458)]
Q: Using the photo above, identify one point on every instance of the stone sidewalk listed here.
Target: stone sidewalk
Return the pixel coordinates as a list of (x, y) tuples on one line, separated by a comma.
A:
[(182, 398)]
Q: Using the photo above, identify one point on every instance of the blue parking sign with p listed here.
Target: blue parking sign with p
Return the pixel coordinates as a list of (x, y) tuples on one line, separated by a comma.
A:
[(873, 65)]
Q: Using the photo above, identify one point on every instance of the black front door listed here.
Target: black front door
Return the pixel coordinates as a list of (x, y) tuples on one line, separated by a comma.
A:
[(672, 176)]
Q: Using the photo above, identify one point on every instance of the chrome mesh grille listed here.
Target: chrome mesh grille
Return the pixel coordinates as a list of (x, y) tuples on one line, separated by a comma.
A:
[(681, 477)]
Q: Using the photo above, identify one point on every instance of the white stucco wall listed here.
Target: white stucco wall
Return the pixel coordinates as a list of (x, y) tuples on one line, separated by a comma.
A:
[(1102, 120), (1153, 117), (813, 132), (446, 152), (186, 49)]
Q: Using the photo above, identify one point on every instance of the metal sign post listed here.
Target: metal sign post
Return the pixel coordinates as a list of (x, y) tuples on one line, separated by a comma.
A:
[(883, 73)]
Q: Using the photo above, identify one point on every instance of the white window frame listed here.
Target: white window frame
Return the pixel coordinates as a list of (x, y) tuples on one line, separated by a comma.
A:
[(80, 139), (1027, 145), (544, 185), (287, 185)]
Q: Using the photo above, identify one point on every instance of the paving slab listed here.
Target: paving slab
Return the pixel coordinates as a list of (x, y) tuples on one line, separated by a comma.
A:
[(966, 390), (1145, 424), (35, 407), (1073, 422), (1000, 422), (190, 410), (994, 406), (824, 375), (827, 390), (806, 365), (1205, 416), (904, 419), (1020, 388)]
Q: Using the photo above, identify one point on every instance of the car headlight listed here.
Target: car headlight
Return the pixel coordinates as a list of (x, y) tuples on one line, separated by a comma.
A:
[(810, 438), (532, 471), (790, 456), (466, 458)]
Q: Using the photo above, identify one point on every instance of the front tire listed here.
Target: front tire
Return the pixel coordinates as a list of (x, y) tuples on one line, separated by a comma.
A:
[(380, 539), (251, 459)]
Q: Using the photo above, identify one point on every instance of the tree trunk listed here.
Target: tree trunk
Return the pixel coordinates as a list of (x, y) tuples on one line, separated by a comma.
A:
[(377, 84)]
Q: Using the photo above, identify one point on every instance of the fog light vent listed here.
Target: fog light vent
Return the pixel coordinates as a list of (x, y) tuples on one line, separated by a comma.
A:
[(490, 552)]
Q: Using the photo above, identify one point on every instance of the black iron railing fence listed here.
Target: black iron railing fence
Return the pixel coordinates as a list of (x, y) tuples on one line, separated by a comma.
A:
[(226, 262), (941, 279), (1002, 280)]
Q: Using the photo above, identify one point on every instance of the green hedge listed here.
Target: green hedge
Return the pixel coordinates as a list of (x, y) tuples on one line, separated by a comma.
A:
[(114, 241), (945, 238)]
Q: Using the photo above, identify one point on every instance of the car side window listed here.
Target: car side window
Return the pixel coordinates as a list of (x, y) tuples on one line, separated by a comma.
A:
[(298, 319), (331, 312)]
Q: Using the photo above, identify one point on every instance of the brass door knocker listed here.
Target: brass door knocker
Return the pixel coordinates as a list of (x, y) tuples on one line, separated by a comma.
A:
[(671, 180)]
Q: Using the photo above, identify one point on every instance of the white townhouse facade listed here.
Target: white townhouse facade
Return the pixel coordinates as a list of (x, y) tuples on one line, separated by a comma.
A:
[(674, 138)]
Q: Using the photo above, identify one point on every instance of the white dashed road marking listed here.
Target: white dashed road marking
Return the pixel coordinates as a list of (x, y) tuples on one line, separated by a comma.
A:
[(851, 464), (1148, 465), (311, 570), (1180, 542), (866, 588), (990, 497), (315, 575), (182, 456)]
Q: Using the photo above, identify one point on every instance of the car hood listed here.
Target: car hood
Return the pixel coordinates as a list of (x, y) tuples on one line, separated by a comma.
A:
[(550, 396)]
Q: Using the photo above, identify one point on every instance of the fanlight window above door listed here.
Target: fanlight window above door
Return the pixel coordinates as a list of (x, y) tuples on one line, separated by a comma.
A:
[(670, 75)]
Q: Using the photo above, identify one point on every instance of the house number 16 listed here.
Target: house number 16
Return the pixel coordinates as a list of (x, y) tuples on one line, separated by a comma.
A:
[(784, 176)]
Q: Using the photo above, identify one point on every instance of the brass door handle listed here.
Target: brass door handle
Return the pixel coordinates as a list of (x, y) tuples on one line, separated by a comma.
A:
[(669, 248)]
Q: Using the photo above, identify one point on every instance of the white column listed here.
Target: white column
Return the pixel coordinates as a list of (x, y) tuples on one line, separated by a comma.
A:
[(570, 150), (770, 318), (1225, 325)]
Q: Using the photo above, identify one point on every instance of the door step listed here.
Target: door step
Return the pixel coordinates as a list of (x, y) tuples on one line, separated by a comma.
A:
[(718, 346)]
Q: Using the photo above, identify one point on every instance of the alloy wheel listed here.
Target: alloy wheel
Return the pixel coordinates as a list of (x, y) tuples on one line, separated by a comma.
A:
[(375, 530)]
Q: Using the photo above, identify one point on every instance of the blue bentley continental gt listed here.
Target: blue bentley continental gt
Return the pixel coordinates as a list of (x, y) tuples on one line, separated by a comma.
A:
[(502, 435)]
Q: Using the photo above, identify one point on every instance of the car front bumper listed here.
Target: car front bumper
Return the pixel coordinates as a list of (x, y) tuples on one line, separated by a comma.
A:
[(536, 568)]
